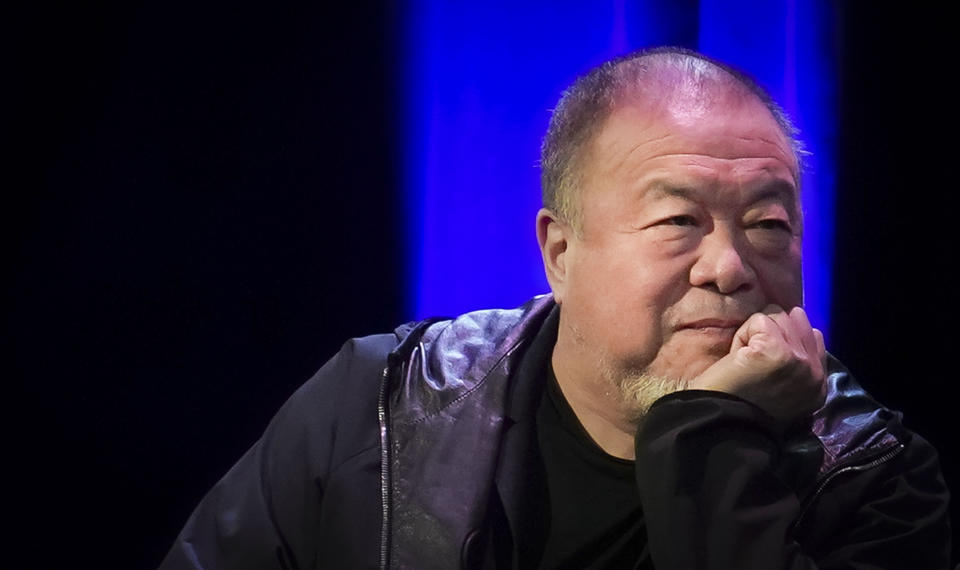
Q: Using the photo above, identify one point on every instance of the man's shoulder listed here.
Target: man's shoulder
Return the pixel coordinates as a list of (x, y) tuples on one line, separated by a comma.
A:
[(334, 413), (467, 341), (484, 325)]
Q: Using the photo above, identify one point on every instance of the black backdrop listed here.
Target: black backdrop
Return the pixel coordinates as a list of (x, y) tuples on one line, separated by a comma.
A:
[(211, 208)]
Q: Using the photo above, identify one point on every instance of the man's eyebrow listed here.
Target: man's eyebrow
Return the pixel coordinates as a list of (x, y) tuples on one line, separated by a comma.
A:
[(776, 189), (661, 189), (780, 190)]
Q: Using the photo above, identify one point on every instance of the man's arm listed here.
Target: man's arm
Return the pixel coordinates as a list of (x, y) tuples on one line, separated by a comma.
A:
[(707, 470), (269, 511), (708, 461), (233, 526), (711, 497)]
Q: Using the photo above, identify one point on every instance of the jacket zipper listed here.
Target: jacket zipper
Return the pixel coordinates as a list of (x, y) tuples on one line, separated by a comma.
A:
[(384, 470), (886, 456)]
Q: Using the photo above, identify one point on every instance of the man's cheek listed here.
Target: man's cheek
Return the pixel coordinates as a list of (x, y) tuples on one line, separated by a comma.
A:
[(783, 283)]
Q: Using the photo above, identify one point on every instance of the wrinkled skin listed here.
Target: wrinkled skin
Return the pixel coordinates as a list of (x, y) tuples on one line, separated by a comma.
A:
[(686, 265)]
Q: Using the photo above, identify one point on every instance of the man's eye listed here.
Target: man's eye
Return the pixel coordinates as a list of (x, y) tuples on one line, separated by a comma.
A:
[(773, 224), (680, 221)]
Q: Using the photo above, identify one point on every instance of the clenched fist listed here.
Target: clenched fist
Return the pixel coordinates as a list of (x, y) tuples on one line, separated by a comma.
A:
[(776, 361)]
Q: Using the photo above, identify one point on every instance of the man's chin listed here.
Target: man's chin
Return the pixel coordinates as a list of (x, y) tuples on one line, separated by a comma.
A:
[(686, 370), (640, 392), (640, 386)]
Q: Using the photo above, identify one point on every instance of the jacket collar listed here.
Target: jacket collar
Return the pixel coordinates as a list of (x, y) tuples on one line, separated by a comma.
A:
[(448, 403)]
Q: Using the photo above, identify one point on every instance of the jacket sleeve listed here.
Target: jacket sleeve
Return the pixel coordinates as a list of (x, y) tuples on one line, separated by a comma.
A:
[(707, 471), (264, 513)]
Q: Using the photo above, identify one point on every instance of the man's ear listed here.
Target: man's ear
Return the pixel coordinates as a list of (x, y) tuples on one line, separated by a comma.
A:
[(554, 237)]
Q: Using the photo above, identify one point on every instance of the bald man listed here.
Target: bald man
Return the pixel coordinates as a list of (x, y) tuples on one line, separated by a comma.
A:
[(668, 406)]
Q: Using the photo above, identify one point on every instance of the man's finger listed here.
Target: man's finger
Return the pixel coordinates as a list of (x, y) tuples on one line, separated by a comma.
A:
[(821, 349), (805, 331), (784, 326), (821, 346), (757, 323)]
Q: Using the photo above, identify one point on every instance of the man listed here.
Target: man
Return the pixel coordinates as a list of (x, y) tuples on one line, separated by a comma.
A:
[(668, 406)]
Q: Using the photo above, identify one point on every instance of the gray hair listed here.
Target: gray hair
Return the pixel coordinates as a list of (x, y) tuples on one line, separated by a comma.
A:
[(584, 107)]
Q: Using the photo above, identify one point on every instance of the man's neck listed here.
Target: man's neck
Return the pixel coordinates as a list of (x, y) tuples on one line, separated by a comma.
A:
[(595, 400)]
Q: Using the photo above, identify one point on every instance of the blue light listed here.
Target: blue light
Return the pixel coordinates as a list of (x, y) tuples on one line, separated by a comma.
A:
[(481, 79), (484, 77)]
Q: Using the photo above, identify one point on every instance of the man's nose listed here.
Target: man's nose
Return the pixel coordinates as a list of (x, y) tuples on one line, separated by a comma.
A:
[(722, 263)]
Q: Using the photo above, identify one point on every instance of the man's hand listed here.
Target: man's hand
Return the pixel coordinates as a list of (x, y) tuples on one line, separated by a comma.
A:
[(777, 361)]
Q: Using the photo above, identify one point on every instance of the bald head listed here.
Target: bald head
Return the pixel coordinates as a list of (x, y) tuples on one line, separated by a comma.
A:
[(681, 83)]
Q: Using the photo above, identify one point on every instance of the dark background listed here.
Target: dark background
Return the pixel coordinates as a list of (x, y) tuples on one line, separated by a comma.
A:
[(204, 206)]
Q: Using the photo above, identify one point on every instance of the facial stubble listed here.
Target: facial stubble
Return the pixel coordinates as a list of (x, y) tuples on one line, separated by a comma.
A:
[(638, 389)]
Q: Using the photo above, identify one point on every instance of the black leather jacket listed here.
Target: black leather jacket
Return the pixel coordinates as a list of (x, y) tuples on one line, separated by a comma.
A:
[(410, 450)]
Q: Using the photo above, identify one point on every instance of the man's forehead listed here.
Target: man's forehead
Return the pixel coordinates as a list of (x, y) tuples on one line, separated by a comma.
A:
[(724, 125), (686, 96)]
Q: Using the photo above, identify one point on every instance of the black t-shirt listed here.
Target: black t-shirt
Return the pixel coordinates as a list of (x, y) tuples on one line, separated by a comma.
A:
[(595, 516)]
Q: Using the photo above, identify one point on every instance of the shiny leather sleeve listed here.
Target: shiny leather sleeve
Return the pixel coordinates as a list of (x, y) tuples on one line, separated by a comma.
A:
[(897, 515), (306, 495)]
